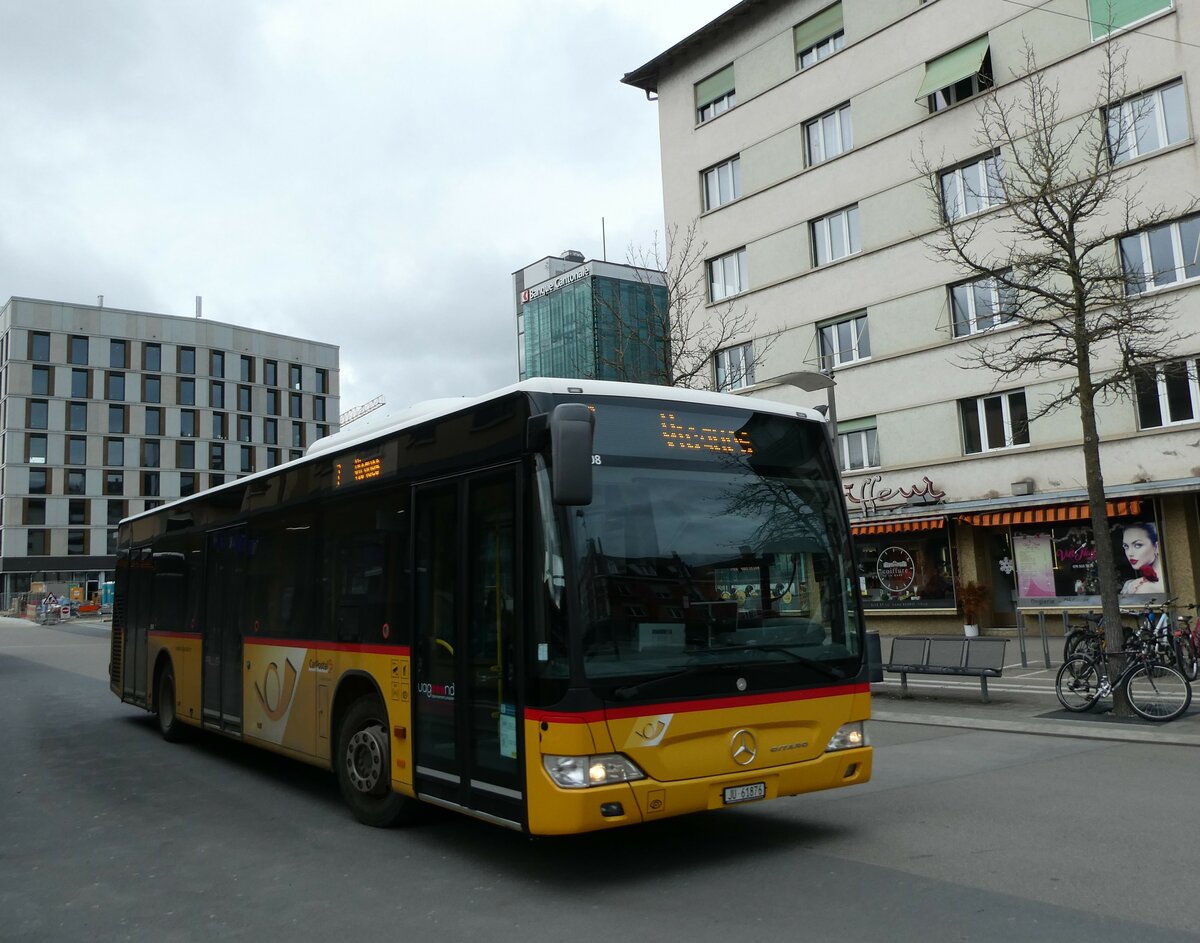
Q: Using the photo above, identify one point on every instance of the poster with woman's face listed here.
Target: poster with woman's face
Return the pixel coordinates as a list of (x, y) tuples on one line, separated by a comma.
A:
[(1139, 564)]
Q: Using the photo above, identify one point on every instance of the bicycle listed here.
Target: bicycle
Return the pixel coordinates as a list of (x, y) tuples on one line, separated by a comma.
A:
[(1186, 641), (1155, 690), (1152, 627)]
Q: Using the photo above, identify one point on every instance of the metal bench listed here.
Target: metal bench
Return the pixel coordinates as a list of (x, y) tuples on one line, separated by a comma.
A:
[(977, 657)]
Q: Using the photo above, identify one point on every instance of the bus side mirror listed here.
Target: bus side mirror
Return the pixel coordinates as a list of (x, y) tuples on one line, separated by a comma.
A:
[(571, 426)]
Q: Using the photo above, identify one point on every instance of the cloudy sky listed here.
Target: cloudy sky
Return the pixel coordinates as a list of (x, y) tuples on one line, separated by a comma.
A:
[(361, 173)]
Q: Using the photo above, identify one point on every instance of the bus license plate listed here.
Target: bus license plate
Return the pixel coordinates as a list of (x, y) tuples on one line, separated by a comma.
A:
[(745, 793)]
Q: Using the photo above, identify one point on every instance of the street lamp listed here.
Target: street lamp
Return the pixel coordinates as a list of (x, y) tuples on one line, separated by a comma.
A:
[(810, 381)]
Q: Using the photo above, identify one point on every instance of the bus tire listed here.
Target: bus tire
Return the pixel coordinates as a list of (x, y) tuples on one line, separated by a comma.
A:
[(363, 766), (169, 724)]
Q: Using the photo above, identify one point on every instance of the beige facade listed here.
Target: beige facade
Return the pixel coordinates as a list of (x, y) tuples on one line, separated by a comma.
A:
[(1005, 515)]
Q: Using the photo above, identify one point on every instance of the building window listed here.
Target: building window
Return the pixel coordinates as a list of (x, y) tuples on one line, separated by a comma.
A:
[(1161, 256), (216, 363), (76, 481), (114, 482), (322, 430), (1147, 123), (188, 423), (844, 341), (271, 431), (721, 184), (77, 450), (41, 381), (958, 75), (273, 402), (273, 458), (994, 422), (187, 360), (185, 454), (77, 511), (972, 187), (829, 135), (77, 350), (246, 369), (836, 236), (819, 37), (118, 354), (981, 305), (858, 447), (735, 367), (220, 426), (243, 428), (187, 484), (216, 456), (114, 452), (322, 380), (216, 395), (152, 357), (214, 480), (247, 459), (715, 95), (1107, 16), (38, 414), (270, 373), (38, 482), (35, 511), (114, 386), (295, 405), (81, 383), (36, 445), (39, 346), (116, 511), (187, 391), (111, 543), (154, 421), (152, 389), (151, 485), (727, 275), (243, 398), (36, 543), (295, 375), (1168, 394), (76, 542), (298, 435), (319, 408), (150, 453)]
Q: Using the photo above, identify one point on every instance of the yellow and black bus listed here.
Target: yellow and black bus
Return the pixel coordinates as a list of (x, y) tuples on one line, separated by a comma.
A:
[(565, 606)]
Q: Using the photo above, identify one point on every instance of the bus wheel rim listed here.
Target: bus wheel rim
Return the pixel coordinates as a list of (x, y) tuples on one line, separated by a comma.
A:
[(364, 759)]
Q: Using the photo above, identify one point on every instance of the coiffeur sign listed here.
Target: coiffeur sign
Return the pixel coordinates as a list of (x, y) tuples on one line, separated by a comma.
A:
[(870, 494)]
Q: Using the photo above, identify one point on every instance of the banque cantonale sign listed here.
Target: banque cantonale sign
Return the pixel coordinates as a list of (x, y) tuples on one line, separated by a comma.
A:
[(561, 281)]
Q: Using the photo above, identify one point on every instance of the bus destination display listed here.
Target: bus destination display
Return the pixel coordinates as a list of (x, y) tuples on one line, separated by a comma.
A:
[(679, 433), (353, 470)]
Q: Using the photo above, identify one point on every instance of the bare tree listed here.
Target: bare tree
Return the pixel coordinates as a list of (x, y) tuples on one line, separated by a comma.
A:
[(676, 334), (1081, 317)]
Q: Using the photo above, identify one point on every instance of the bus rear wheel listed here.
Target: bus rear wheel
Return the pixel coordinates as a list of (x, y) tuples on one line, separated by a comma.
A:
[(169, 724), (363, 763)]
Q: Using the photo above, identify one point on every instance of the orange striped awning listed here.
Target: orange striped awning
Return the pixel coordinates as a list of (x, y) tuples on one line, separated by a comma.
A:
[(895, 527), (1049, 515)]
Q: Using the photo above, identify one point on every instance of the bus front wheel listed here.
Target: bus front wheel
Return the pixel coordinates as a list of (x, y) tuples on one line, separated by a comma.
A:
[(364, 767)]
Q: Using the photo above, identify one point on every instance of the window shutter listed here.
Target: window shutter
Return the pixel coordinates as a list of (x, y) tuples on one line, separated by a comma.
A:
[(953, 67), (715, 86), (819, 27)]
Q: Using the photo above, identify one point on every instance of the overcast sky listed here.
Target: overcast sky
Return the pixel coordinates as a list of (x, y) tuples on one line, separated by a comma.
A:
[(367, 174)]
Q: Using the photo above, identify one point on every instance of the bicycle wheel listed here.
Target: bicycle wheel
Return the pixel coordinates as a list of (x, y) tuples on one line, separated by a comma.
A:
[(1078, 684), (1185, 658), (1158, 692)]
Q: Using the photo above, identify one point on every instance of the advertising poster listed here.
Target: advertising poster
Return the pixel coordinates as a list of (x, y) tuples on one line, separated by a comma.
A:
[(1035, 565)]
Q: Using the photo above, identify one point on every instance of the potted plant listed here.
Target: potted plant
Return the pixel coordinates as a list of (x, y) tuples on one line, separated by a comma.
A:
[(971, 597)]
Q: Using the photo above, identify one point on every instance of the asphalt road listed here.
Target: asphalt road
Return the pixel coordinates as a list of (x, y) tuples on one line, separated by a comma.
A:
[(109, 833)]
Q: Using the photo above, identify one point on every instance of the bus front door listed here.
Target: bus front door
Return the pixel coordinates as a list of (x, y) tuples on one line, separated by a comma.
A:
[(227, 563), (465, 645)]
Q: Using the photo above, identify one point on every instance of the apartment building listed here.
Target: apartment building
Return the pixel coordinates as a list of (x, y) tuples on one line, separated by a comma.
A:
[(106, 413), (791, 134), (590, 319)]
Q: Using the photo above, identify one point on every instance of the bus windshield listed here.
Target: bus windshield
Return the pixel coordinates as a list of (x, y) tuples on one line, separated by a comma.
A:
[(730, 555)]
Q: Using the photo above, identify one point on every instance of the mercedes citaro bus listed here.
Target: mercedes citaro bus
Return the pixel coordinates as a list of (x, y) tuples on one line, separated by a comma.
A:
[(561, 607)]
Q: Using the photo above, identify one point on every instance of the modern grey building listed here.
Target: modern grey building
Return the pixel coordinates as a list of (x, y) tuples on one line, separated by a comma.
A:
[(590, 319), (106, 412), (792, 132)]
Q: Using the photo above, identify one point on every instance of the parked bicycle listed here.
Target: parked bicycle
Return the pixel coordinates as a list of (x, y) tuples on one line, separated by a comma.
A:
[(1186, 640), (1155, 690), (1152, 628)]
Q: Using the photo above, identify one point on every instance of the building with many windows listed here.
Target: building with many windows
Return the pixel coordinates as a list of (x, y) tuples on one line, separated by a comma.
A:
[(793, 133), (593, 320), (106, 413)]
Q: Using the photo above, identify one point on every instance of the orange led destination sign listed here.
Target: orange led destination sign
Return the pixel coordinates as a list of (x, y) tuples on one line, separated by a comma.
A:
[(355, 470), (679, 434)]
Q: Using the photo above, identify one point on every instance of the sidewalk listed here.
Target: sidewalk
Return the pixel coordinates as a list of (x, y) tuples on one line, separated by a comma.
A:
[(1022, 701)]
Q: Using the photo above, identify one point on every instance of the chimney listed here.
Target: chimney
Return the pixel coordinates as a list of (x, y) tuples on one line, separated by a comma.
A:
[(199, 303), (99, 301)]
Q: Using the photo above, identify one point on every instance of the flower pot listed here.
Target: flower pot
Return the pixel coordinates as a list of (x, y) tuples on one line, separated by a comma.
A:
[(970, 630)]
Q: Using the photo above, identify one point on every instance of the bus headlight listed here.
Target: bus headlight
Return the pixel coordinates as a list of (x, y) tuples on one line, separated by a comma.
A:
[(848, 737), (579, 772)]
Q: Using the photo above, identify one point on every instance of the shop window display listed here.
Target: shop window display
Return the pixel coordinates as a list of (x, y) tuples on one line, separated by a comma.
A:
[(905, 572), (1060, 561)]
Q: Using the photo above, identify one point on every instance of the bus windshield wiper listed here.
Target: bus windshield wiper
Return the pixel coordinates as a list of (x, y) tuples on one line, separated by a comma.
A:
[(812, 663), (633, 690)]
